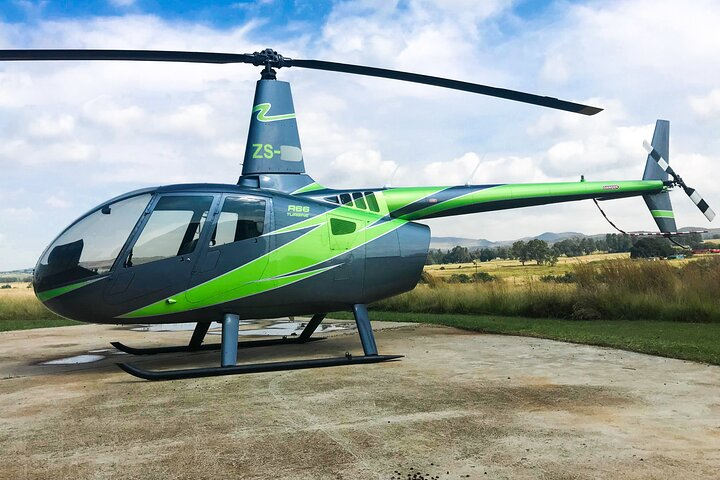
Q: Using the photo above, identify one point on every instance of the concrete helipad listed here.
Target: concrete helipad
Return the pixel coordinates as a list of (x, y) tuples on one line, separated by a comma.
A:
[(460, 405)]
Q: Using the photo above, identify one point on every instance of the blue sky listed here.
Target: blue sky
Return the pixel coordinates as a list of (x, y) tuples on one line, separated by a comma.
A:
[(75, 134), (215, 13)]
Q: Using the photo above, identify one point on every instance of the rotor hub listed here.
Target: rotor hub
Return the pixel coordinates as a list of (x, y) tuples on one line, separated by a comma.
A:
[(270, 58)]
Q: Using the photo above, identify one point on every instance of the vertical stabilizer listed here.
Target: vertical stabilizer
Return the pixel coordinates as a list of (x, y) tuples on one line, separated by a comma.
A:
[(273, 145), (659, 203)]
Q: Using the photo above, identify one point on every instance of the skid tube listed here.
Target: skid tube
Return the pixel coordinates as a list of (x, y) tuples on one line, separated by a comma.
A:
[(254, 367)]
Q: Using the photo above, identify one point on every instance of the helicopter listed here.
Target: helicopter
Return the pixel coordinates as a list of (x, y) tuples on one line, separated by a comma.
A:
[(277, 243)]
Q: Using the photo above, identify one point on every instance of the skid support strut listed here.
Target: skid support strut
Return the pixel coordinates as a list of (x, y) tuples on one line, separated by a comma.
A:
[(198, 335), (230, 326), (362, 320), (229, 349)]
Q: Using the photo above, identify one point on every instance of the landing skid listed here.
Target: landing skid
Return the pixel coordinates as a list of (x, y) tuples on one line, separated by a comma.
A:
[(254, 367), (210, 346), (229, 346)]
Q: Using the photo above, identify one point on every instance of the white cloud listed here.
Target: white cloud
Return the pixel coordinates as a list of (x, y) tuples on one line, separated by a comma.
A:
[(57, 202), (706, 105), (48, 126), (363, 169)]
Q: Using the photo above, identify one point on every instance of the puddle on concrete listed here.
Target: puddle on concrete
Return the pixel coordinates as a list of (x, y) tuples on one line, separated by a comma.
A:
[(77, 359), (173, 327), (90, 357), (111, 351), (287, 329)]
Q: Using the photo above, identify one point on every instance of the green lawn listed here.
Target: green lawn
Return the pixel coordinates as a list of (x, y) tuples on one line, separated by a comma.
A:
[(6, 325), (689, 341)]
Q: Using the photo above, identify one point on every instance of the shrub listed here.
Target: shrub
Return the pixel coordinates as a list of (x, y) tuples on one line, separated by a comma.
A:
[(567, 277), (459, 278), (483, 277)]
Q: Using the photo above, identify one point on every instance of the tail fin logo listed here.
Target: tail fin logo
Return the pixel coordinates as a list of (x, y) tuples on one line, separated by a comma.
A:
[(262, 110)]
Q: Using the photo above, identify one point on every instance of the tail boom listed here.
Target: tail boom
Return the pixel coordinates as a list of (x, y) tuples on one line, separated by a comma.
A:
[(417, 203)]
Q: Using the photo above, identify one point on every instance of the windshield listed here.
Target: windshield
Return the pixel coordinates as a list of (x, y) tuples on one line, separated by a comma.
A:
[(91, 245)]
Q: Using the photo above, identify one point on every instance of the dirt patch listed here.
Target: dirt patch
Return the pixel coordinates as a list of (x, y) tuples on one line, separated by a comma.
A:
[(457, 406)]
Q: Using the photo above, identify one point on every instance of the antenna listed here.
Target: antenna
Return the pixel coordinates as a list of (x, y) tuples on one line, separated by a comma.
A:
[(477, 165), (389, 182)]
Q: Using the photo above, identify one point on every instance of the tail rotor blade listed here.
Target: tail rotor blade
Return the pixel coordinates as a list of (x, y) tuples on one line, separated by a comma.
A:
[(700, 203), (658, 158), (691, 192)]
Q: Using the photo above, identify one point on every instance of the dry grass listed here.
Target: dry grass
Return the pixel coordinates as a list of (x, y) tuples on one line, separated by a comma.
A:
[(514, 272), (20, 309), (614, 289)]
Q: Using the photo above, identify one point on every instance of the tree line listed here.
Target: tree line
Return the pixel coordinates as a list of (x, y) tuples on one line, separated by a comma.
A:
[(541, 252)]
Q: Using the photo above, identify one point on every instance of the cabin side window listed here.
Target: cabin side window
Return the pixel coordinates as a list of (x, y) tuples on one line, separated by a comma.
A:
[(359, 200), (241, 218), (372, 201), (173, 229)]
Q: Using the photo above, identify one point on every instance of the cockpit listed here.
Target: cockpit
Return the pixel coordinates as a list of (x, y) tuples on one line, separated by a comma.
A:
[(146, 227)]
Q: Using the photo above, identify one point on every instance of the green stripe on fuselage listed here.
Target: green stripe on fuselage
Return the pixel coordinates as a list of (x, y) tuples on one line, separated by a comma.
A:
[(286, 265), (397, 198), (308, 188), (56, 292)]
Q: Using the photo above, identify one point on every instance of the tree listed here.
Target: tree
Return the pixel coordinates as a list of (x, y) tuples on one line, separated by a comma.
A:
[(538, 250), (618, 243), (458, 255), (694, 240), (570, 247), (487, 254), (520, 251), (601, 245), (651, 247), (587, 245)]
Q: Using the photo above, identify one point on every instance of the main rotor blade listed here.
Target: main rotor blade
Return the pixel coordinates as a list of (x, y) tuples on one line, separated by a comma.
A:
[(271, 58), (132, 55), (697, 199), (447, 83)]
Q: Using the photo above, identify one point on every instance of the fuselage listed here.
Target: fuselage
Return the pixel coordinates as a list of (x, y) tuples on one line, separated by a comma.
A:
[(195, 252)]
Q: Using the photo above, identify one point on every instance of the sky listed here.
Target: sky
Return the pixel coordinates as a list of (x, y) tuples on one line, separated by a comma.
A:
[(73, 134)]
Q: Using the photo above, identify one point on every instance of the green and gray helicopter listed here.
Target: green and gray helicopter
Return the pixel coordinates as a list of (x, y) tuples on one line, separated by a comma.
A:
[(277, 243)]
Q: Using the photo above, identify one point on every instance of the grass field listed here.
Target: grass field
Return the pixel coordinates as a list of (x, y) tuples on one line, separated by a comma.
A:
[(610, 289), (688, 341), (19, 310), (512, 271)]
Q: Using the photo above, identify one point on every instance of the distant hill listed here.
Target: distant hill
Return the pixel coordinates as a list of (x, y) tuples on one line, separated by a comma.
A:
[(446, 243), (552, 237), (24, 275)]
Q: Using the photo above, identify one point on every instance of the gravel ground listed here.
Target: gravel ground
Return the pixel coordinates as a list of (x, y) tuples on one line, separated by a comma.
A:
[(459, 405)]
